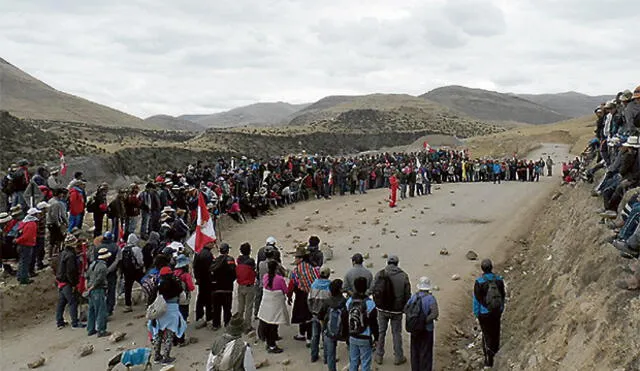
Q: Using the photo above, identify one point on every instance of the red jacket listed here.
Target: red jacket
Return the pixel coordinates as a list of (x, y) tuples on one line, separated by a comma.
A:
[(245, 271), (28, 235), (76, 201)]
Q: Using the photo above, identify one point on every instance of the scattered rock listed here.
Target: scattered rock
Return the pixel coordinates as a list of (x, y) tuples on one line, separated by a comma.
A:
[(421, 211), (287, 224), (471, 255), (398, 237), (392, 231), (385, 255), (356, 237), (366, 256), (36, 362), (307, 219), (435, 288), (263, 363), (286, 362), (433, 233), (369, 265), (129, 324), (444, 252), (117, 336), (107, 349), (453, 204), (413, 234), (556, 196), (85, 350), (364, 222), (193, 340), (287, 236), (349, 248), (380, 210), (302, 229), (120, 348), (437, 188), (455, 277), (317, 211), (377, 246), (376, 221), (168, 368), (362, 210), (413, 217)]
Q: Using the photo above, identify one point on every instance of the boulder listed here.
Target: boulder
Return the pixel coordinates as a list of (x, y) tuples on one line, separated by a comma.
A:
[(455, 277), (85, 350), (117, 336), (36, 362), (471, 255), (262, 364), (286, 362), (444, 252)]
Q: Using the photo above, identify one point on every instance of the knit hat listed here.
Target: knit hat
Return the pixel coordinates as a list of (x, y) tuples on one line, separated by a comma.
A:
[(235, 326), (5, 218), (165, 270), (104, 254), (107, 237), (72, 240)]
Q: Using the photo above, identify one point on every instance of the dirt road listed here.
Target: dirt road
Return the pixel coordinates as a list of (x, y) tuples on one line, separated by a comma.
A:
[(483, 218)]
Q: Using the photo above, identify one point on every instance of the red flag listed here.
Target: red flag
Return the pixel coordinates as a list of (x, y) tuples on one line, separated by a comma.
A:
[(204, 232), (63, 164)]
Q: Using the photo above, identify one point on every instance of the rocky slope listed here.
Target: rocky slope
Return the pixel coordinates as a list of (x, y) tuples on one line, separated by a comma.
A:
[(172, 123), (571, 103)]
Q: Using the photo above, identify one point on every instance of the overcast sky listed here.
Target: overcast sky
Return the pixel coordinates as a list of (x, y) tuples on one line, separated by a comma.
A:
[(148, 57)]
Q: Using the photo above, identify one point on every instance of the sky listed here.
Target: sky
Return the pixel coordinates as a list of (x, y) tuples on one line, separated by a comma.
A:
[(149, 57)]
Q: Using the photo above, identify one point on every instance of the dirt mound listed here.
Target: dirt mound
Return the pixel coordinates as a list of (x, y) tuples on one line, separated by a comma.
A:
[(25, 305)]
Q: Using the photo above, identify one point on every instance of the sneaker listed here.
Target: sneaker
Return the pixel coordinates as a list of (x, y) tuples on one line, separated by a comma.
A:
[(300, 337), (620, 245), (157, 358), (378, 359), (127, 310), (79, 325), (61, 326), (104, 334), (168, 359), (91, 333), (629, 254), (274, 350), (400, 361)]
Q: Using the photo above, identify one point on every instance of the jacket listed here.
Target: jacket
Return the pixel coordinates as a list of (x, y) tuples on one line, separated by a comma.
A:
[(76, 201), (392, 302), (97, 275), (201, 265), (169, 287), (480, 292), (429, 307), (262, 256), (68, 271), (246, 270), (319, 295), (372, 318), (357, 271), (29, 231), (56, 214), (132, 205), (316, 257), (223, 273)]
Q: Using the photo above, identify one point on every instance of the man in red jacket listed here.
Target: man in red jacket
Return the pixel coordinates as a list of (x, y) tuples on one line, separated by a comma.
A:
[(246, 277), (26, 242), (76, 205), (393, 184)]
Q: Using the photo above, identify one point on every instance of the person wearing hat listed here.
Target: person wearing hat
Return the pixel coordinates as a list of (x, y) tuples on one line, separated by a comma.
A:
[(632, 112), (52, 181), (629, 171), (488, 304), (357, 270), (20, 180), (181, 272), (26, 243), (230, 350), (6, 246), (108, 242), (302, 277), (246, 277), (171, 323), (223, 275), (318, 302), (391, 291), (272, 243), (37, 260), (273, 308), (201, 264), (97, 205), (132, 205), (422, 339), (149, 207), (57, 221), (97, 291), (67, 277), (270, 255)]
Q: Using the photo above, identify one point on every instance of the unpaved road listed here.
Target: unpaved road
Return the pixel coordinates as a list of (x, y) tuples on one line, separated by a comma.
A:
[(483, 217)]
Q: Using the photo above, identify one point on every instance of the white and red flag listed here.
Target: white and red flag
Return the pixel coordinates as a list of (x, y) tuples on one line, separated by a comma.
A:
[(63, 164), (204, 232)]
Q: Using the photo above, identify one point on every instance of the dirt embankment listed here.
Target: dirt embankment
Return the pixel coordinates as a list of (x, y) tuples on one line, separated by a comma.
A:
[(564, 310)]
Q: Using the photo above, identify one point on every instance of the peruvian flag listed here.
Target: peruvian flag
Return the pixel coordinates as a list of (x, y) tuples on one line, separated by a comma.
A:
[(426, 146), (204, 229), (63, 164)]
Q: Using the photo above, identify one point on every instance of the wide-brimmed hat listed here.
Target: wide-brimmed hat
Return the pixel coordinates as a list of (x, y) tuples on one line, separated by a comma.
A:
[(301, 252), (424, 284), (5, 218), (182, 261), (104, 253), (42, 205), (33, 211), (235, 326), (632, 141), (168, 209), (636, 93), (626, 96)]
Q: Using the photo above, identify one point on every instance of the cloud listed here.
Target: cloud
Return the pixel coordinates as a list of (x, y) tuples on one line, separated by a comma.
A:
[(160, 56)]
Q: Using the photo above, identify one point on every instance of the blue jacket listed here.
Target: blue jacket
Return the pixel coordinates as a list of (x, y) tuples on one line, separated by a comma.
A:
[(429, 307), (480, 293), (497, 169)]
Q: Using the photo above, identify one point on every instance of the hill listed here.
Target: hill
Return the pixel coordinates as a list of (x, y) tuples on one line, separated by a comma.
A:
[(172, 123), (258, 114), (571, 103), (27, 97), (493, 106)]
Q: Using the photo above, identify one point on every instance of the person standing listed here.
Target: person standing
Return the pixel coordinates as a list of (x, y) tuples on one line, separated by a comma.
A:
[(98, 206), (488, 305), (497, 172), (132, 208), (186, 281), (170, 323), (76, 205), (201, 270), (223, 274), (67, 277), (318, 301), (393, 186), (422, 315), (246, 276), (132, 267), (302, 276), (336, 323), (363, 327), (391, 291), (273, 309), (316, 257), (26, 244), (549, 166), (97, 286), (57, 221), (358, 270), (37, 261)]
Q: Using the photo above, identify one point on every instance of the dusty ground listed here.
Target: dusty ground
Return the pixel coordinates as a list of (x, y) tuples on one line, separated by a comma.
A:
[(482, 220)]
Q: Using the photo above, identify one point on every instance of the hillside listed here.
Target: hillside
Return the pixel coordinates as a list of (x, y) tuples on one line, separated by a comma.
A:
[(258, 114), (493, 106), (27, 97), (172, 123), (571, 103)]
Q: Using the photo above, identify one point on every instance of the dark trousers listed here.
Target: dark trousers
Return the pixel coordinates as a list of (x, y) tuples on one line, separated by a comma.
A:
[(129, 279), (98, 221), (38, 256), (422, 351), (112, 280), (204, 305), (56, 237), (305, 329), (270, 333), (221, 303), (66, 295), (490, 325)]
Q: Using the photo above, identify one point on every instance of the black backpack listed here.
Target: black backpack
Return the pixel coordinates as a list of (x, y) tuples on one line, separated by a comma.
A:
[(337, 320), (129, 263), (383, 294), (494, 300), (357, 317), (415, 318)]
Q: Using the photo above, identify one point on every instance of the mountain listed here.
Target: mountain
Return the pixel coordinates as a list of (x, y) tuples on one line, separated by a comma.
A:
[(258, 114), (27, 97), (493, 106), (172, 123), (571, 103)]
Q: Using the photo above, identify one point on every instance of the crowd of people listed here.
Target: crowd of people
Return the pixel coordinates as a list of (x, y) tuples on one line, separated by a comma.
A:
[(138, 234)]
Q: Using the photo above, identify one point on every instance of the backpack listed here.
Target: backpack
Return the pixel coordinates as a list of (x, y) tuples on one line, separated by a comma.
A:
[(493, 299), (129, 263), (415, 318), (157, 309), (185, 295), (91, 204), (357, 317), (149, 284), (335, 323), (383, 291), (229, 358)]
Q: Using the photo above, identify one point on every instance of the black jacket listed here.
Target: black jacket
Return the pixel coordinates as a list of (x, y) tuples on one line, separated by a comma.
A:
[(68, 271), (262, 256), (201, 266), (391, 289), (316, 257), (223, 273)]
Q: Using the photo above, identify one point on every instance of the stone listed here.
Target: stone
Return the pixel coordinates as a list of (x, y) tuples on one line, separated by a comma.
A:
[(262, 364), (435, 288), (453, 204), (421, 211), (385, 255), (117, 336), (107, 349), (413, 234), (317, 211), (455, 277), (362, 210), (364, 222), (36, 362), (287, 236), (120, 348), (444, 252), (398, 237), (302, 229), (377, 246), (376, 221), (452, 191), (471, 255), (366, 256), (307, 219), (369, 265), (556, 196), (85, 350), (193, 340), (433, 233), (286, 362), (287, 224)]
